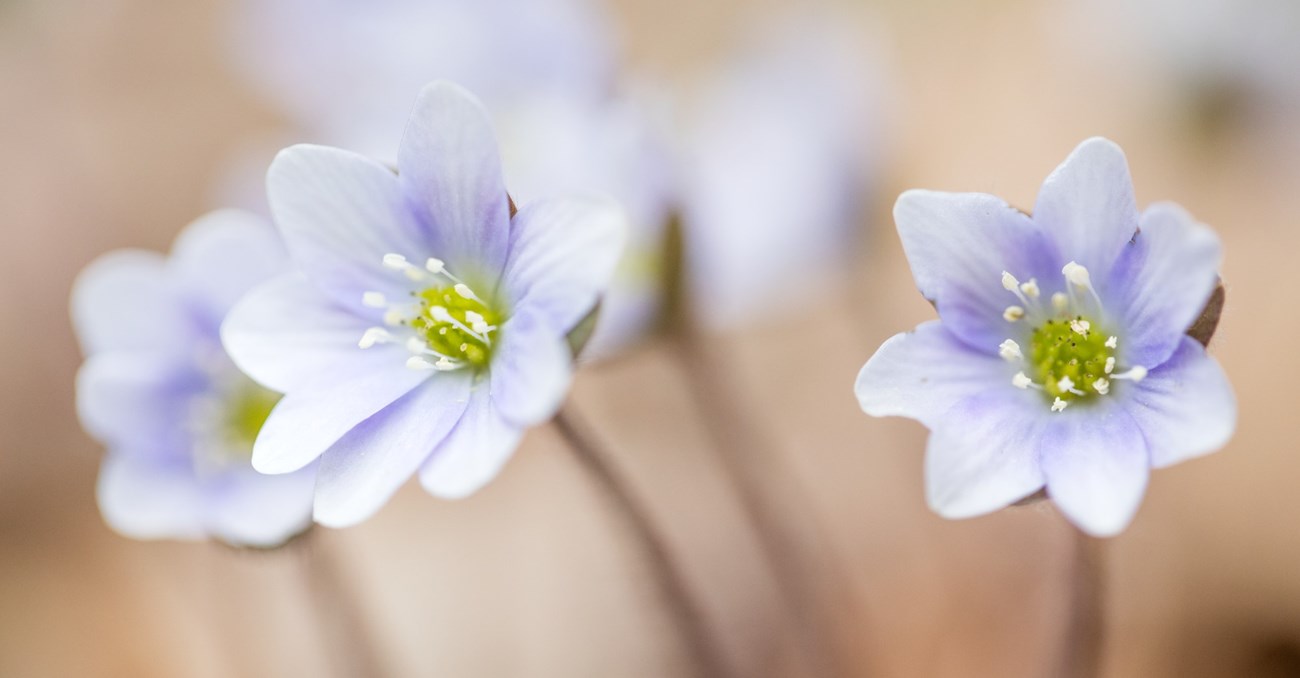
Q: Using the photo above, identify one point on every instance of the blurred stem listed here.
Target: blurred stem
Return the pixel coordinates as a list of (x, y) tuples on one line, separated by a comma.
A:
[(685, 614), (339, 614), (1084, 632)]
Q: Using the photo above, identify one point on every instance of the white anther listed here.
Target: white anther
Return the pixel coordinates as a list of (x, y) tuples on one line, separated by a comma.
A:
[(474, 318), (1058, 405), (396, 262), (415, 362), (435, 265), (1077, 274), (1009, 282), (374, 300), (463, 290), (1020, 381), (441, 314), (374, 335), (1013, 313), (1060, 301), (1101, 385), (393, 318), (1112, 342), (416, 345), (445, 364), (1134, 374), (1080, 327), (1030, 288), (1110, 364), (1065, 384), (1010, 351)]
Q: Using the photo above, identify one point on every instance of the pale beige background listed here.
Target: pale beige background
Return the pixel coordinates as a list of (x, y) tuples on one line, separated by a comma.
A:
[(117, 114)]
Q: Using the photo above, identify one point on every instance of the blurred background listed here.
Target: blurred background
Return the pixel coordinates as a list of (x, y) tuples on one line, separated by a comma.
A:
[(777, 134)]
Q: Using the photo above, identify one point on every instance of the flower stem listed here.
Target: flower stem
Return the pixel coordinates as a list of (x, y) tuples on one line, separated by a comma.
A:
[(338, 612), (1084, 632), (686, 616)]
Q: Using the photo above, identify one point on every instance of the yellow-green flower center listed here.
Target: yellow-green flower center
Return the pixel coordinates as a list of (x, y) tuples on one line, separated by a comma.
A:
[(247, 410), (456, 325), (1069, 356)]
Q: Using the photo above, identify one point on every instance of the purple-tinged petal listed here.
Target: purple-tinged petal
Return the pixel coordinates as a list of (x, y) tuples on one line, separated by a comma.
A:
[(286, 333), (251, 509), (1185, 407), (923, 373), (312, 418), (340, 213), (1162, 282), (982, 456), (450, 171), (473, 452), (134, 399), (1086, 206), (220, 257), (360, 472), (562, 255), (1096, 462), (144, 497), (124, 300), (958, 245), (532, 369)]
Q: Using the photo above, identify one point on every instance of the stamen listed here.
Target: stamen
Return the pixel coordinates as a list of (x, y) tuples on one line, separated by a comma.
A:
[(374, 335), (1010, 351), (1022, 382), (374, 300), (396, 262), (1009, 282), (1060, 301), (463, 290), (435, 265), (1077, 274), (1112, 342), (1013, 313), (1110, 364), (1080, 327), (1134, 374), (1101, 386), (1059, 405), (393, 317), (1065, 384), (1030, 288), (415, 362)]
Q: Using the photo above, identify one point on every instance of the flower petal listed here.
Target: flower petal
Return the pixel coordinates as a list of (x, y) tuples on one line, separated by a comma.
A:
[(144, 497), (252, 509), (1185, 407), (473, 452), (312, 418), (982, 456), (1162, 282), (958, 245), (923, 373), (340, 213), (562, 255), (450, 169), (532, 369), (221, 256), (135, 399), (1096, 463), (124, 300), (286, 333), (1086, 206), (360, 472)]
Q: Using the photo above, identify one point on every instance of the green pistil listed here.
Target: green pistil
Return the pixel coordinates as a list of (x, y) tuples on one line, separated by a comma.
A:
[(247, 412), (457, 340), (1059, 350)]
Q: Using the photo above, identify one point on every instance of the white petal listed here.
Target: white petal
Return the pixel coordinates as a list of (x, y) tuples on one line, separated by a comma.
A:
[(251, 509), (1087, 206), (532, 369), (1096, 464), (1185, 407), (144, 497), (221, 256), (125, 300), (135, 398), (473, 453)]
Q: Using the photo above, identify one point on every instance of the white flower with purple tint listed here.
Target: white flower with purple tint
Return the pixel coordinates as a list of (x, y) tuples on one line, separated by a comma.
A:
[(1061, 359), (425, 326), (159, 392)]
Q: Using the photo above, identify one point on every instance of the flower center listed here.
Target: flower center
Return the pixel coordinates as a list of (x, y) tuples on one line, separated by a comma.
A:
[(444, 326), (246, 412), (226, 419), (1070, 358)]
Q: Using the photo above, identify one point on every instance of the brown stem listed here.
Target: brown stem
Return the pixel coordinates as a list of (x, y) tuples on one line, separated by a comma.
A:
[(1085, 631), (686, 616), (340, 615)]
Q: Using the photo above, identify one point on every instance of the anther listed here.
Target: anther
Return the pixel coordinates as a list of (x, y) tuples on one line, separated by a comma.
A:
[(1080, 327), (1009, 282), (1013, 313), (1059, 405), (1134, 374), (463, 290), (1021, 381), (435, 265), (393, 318), (1030, 288), (374, 335), (396, 262), (1010, 351), (1065, 384), (374, 300), (1060, 301), (1101, 386), (1077, 274), (1112, 342), (1110, 364), (415, 362)]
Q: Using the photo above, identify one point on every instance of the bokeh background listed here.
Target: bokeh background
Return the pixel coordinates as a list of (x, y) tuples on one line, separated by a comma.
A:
[(799, 522)]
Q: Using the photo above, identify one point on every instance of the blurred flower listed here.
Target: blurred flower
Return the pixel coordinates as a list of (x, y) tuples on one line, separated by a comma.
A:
[(1060, 358), (158, 390), (778, 157), (426, 325)]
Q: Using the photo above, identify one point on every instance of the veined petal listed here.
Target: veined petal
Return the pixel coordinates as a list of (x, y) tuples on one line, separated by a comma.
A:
[(1163, 280), (361, 471), (221, 256), (473, 453), (312, 418), (135, 399), (124, 300), (340, 213), (958, 245), (562, 255), (983, 456), (1185, 407), (923, 373), (286, 333), (1086, 206), (450, 171), (144, 497), (252, 509), (532, 369), (1096, 462)]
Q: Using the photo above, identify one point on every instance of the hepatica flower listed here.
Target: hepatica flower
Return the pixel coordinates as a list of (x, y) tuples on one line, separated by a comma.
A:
[(158, 390), (425, 325), (1061, 358)]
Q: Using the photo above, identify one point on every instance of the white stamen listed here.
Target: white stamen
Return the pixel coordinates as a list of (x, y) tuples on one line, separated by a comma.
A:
[(374, 300), (1009, 282), (1077, 274), (1135, 374), (1101, 385), (396, 262), (1013, 313), (444, 364), (393, 318), (1065, 384), (374, 335), (474, 318), (1112, 342), (441, 314), (1010, 351), (1030, 288), (1059, 405), (1060, 301), (435, 265), (1080, 327), (1020, 381), (415, 345), (415, 362), (1110, 364), (463, 290)]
